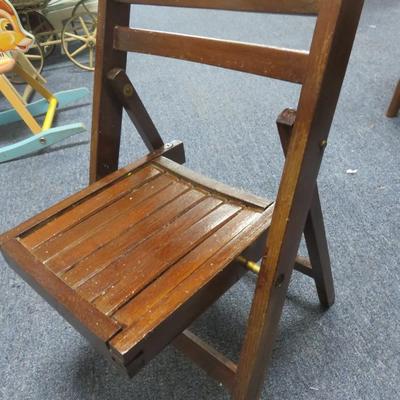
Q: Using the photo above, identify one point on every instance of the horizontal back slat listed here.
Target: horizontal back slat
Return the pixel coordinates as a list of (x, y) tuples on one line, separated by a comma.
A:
[(305, 7), (288, 65)]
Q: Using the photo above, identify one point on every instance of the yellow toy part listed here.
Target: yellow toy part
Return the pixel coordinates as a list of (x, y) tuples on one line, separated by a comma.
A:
[(12, 36)]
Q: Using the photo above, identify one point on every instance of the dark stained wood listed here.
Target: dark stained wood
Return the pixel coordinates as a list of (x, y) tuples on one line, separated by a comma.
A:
[(211, 185), (107, 112), (81, 314), (102, 257), (173, 150), (134, 256), (194, 228), (128, 97), (115, 213), (133, 311), (83, 248), (288, 65), (153, 265), (330, 51), (394, 106), (314, 233), (188, 311), (314, 230), (307, 7), (214, 363), (87, 208), (193, 295), (303, 265)]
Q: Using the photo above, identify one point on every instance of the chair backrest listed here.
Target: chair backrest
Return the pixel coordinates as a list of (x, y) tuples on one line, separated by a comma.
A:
[(320, 71)]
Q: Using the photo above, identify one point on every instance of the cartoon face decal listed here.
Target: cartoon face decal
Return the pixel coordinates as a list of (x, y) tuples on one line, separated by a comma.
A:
[(12, 35)]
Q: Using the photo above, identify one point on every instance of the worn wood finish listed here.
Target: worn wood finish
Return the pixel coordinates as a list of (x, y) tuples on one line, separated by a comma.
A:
[(314, 230), (173, 150), (171, 312), (107, 113), (110, 218), (142, 244), (218, 188), (128, 97), (394, 106), (83, 246), (184, 269), (76, 310), (206, 357), (330, 51), (133, 271), (89, 207), (288, 65), (153, 220), (306, 7)]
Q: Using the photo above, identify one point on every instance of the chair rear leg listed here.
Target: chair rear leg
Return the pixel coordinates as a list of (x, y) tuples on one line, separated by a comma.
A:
[(317, 246), (394, 106), (314, 230)]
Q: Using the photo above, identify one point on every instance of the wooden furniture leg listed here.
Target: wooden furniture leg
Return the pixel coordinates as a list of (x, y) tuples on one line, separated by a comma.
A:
[(314, 230), (394, 106), (335, 29), (106, 124)]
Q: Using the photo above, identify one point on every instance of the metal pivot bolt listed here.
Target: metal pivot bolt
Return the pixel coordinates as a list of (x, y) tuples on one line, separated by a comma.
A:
[(127, 90), (279, 280), (323, 144)]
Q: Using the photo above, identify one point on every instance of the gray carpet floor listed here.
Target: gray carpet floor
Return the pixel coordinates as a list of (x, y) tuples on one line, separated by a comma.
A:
[(226, 120)]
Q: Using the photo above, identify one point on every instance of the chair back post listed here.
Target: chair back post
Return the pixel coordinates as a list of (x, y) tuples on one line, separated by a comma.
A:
[(107, 111), (330, 51)]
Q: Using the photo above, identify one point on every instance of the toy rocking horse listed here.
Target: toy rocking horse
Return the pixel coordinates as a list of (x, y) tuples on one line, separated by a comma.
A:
[(14, 41)]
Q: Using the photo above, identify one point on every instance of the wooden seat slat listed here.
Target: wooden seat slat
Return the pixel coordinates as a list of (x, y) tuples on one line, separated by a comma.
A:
[(214, 187), (99, 259), (132, 311), (91, 226), (88, 207), (66, 259), (133, 338), (110, 275), (153, 265)]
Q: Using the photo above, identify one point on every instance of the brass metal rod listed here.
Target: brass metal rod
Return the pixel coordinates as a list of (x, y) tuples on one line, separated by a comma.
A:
[(250, 265)]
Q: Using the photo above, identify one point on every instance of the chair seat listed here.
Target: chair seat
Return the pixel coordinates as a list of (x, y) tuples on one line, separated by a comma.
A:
[(133, 259)]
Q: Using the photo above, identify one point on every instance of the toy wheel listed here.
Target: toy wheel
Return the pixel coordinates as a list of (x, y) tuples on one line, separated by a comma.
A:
[(81, 8), (36, 57), (78, 39), (42, 29)]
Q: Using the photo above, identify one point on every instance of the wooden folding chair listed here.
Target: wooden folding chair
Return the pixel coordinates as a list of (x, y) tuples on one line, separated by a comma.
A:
[(134, 258)]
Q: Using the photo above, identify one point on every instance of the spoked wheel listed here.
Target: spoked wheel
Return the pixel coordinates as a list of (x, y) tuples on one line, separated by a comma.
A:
[(42, 29), (81, 8), (36, 57), (78, 39)]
